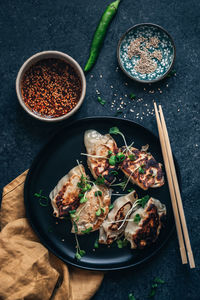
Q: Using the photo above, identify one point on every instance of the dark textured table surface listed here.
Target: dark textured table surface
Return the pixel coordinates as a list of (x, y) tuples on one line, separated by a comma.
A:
[(31, 26)]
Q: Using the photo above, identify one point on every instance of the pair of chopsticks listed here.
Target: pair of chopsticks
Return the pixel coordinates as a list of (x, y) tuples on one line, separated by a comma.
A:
[(181, 226)]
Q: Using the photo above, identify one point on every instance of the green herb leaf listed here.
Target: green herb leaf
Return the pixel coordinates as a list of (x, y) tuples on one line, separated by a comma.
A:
[(131, 157), (137, 218), (98, 193), (121, 244), (152, 293), (75, 227), (83, 200), (100, 180), (114, 130), (98, 212), (120, 157), (131, 297), (143, 201), (96, 244), (72, 211), (87, 230), (101, 101), (79, 253), (111, 206), (80, 195), (114, 172), (110, 152), (141, 170), (158, 280), (132, 96), (112, 160), (130, 190)]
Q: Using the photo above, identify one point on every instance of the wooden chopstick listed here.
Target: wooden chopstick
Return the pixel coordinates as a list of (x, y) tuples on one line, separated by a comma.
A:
[(171, 188), (177, 190)]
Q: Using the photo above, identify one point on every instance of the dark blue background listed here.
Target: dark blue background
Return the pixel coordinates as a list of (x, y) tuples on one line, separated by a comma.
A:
[(31, 26)]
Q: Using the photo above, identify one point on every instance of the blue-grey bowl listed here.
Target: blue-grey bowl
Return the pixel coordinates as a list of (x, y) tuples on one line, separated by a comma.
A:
[(166, 46)]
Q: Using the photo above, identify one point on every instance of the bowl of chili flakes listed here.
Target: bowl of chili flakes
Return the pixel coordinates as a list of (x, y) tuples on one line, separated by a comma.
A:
[(51, 86)]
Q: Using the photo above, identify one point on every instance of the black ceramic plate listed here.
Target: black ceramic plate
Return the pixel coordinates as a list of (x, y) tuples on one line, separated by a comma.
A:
[(53, 162)]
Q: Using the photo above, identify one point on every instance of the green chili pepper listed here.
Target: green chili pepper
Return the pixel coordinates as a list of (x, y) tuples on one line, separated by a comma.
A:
[(100, 33)]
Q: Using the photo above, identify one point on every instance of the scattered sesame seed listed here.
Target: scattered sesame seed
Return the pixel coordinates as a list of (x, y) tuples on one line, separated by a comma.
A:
[(167, 85), (100, 76), (125, 95), (115, 94), (91, 76), (178, 109), (160, 92), (131, 110), (126, 83), (111, 86), (62, 240)]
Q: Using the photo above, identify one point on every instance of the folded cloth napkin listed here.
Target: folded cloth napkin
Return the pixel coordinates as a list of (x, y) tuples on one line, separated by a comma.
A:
[(27, 269)]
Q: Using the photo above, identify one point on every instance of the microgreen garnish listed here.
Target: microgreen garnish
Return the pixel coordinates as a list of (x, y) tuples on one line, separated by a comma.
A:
[(130, 190), (100, 180), (131, 297), (72, 212), (98, 212), (111, 206), (112, 160), (120, 157), (75, 227), (83, 199), (120, 184), (131, 157), (143, 201), (132, 96), (137, 218), (158, 280), (87, 230), (43, 200), (141, 170), (115, 130), (79, 253), (154, 286), (110, 152), (122, 243), (98, 193), (96, 244), (114, 172), (101, 101)]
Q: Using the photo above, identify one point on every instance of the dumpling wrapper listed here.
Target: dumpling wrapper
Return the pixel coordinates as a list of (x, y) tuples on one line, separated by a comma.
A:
[(64, 197), (147, 230), (151, 175), (85, 217), (109, 231), (98, 145)]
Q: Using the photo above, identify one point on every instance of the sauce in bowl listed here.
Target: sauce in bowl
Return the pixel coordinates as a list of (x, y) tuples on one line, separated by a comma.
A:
[(51, 88)]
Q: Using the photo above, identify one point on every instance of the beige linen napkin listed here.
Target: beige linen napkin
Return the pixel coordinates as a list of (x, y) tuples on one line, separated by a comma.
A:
[(27, 269)]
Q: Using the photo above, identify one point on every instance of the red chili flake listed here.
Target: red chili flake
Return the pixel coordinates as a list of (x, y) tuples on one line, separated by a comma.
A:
[(51, 88)]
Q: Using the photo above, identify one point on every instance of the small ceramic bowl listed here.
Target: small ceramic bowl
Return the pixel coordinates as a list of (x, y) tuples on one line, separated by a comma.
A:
[(44, 55), (165, 48)]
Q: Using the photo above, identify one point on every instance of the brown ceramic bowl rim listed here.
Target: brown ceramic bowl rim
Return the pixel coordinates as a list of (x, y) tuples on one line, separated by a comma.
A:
[(50, 54), (118, 52)]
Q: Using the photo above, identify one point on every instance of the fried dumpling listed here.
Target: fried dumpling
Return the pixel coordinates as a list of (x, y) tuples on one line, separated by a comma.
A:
[(142, 169), (64, 197), (112, 228), (90, 215), (145, 223), (99, 145)]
